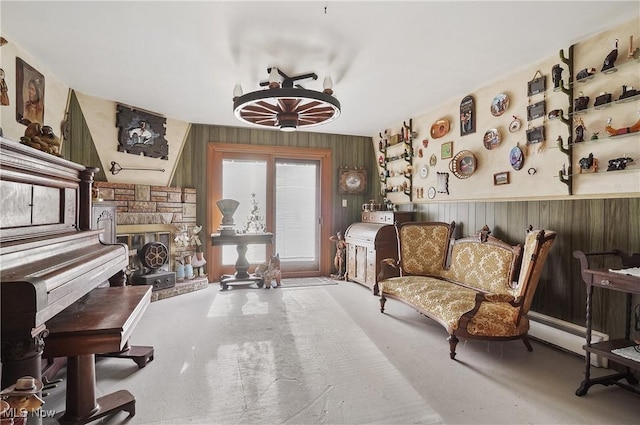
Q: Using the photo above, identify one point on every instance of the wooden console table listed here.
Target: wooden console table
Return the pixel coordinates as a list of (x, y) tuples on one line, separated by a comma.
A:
[(240, 240), (603, 278), (100, 322)]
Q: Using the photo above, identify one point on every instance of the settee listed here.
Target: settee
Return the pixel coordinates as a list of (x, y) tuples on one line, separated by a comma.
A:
[(475, 287)]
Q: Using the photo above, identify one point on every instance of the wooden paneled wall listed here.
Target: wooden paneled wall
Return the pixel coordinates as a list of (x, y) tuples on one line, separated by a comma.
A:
[(589, 225)]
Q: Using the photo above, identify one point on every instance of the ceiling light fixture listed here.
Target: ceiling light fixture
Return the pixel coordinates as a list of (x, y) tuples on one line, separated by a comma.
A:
[(284, 105)]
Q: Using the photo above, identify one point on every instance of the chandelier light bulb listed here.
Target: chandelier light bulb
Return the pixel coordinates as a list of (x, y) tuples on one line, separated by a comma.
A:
[(327, 85), (274, 78), (237, 91)]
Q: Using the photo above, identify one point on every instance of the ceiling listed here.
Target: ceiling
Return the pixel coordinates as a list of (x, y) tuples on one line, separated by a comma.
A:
[(389, 61)]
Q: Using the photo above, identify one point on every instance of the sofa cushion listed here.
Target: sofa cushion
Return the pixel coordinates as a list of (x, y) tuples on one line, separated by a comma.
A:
[(497, 319), (442, 301)]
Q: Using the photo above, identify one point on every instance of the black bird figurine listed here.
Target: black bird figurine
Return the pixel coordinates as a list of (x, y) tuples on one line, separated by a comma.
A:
[(610, 60)]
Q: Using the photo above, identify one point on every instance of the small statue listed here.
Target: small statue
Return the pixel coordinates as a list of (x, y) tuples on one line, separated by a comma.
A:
[(588, 163), (579, 130), (610, 60), (585, 73), (618, 163), (41, 138), (581, 102), (339, 260), (594, 136), (556, 73)]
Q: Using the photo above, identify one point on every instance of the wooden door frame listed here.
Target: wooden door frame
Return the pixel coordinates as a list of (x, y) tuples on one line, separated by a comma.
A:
[(214, 174)]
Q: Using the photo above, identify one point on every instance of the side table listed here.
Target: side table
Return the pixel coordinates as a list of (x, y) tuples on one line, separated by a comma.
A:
[(603, 278), (241, 240)]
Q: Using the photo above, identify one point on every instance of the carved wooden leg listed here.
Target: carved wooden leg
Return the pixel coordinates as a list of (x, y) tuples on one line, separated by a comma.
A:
[(527, 343), (382, 301), (376, 290), (453, 341)]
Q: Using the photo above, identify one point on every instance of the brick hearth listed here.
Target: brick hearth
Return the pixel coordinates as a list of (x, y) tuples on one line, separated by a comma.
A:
[(182, 287)]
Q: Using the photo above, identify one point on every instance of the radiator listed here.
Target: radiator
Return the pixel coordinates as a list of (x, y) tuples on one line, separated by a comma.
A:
[(565, 335)]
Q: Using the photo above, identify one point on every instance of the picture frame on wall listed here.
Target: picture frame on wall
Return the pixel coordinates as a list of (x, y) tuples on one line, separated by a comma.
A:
[(467, 116), (446, 150), (29, 94), (352, 180), (141, 132), (501, 178)]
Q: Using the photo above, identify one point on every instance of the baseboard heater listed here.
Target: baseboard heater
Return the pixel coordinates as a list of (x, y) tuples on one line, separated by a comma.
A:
[(564, 335)]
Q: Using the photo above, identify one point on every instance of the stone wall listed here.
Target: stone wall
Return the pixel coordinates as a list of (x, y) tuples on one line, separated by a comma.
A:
[(139, 204)]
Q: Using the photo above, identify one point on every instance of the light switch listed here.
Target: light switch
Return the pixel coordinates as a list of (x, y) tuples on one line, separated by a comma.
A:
[(344, 203)]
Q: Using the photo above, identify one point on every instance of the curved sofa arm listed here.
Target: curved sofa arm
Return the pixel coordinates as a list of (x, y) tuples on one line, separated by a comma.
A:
[(490, 298)]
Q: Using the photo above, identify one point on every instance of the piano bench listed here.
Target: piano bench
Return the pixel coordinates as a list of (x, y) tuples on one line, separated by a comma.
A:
[(100, 322)]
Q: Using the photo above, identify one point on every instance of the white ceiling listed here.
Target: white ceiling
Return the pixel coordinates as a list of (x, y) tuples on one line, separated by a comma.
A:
[(389, 60)]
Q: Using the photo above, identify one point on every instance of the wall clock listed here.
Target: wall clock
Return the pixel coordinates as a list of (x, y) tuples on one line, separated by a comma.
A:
[(353, 180)]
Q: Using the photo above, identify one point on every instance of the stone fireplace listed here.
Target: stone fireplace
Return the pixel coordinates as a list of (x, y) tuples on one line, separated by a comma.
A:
[(154, 214)]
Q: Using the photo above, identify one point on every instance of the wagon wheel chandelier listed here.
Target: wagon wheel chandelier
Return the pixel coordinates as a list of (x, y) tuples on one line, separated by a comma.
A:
[(284, 105)]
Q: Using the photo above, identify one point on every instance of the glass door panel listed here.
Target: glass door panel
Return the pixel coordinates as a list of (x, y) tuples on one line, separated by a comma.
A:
[(242, 178), (297, 214)]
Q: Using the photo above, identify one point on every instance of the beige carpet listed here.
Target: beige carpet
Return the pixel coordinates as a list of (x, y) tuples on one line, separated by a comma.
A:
[(256, 356)]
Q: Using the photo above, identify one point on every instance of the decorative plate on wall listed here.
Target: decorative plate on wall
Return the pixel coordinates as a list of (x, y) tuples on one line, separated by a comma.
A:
[(463, 164), (440, 128), (424, 171), (491, 138), (516, 158), (499, 104)]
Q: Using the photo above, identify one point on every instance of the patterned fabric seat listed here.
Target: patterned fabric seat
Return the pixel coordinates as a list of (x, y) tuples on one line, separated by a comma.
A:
[(469, 285)]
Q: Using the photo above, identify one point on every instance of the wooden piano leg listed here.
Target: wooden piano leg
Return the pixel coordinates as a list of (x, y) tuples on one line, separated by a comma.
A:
[(82, 406)]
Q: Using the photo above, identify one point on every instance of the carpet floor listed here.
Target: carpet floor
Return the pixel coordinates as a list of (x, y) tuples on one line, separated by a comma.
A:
[(325, 355)]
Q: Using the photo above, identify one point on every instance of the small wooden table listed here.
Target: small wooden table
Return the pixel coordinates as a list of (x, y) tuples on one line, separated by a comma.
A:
[(241, 240), (603, 278), (100, 322)]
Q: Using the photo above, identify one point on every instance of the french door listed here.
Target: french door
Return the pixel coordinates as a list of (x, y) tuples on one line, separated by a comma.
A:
[(285, 191)]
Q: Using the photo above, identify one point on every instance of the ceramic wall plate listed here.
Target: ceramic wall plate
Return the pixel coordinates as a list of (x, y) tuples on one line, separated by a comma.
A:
[(423, 172), (515, 124), (463, 164), (492, 139), (431, 193), (499, 104), (516, 158), (440, 128)]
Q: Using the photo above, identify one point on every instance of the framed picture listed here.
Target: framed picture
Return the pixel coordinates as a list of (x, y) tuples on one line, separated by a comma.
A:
[(467, 116), (501, 178), (352, 180), (446, 150), (141, 133), (29, 94)]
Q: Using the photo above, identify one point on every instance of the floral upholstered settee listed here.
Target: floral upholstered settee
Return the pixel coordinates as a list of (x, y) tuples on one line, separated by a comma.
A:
[(476, 287)]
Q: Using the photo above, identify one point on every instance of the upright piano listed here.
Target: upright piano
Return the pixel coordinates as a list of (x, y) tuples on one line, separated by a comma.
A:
[(49, 256)]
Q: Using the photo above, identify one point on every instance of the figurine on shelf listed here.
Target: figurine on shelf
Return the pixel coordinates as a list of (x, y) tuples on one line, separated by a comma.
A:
[(594, 136), (579, 130), (628, 92), (618, 163), (610, 60), (556, 75), (42, 138), (620, 131), (198, 262), (588, 164), (602, 100), (581, 102), (585, 73)]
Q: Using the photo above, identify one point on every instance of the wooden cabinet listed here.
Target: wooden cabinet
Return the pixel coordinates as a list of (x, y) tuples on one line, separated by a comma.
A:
[(370, 242)]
